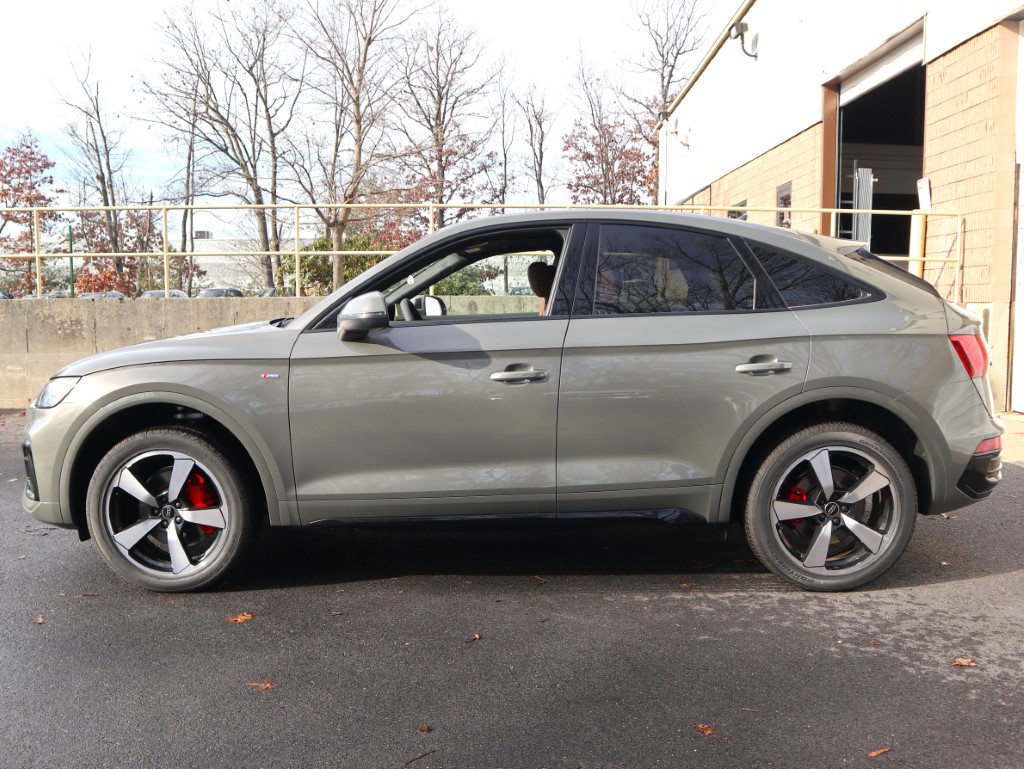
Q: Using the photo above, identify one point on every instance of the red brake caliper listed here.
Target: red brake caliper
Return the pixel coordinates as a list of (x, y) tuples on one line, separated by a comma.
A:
[(796, 494), (200, 496)]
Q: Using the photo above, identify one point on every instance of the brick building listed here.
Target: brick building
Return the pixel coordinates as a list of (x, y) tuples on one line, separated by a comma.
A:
[(882, 104)]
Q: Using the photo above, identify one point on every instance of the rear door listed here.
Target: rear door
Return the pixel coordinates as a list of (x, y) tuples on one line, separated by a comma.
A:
[(673, 349)]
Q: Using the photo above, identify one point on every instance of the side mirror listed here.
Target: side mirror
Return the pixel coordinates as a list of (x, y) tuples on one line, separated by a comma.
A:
[(362, 315), (429, 306)]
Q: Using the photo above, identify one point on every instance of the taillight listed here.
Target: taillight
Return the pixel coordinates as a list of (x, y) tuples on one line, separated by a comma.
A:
[(989, 445), (973, 353)]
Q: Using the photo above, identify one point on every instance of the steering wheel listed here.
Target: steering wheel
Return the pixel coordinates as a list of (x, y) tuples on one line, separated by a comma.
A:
[(409, 311)]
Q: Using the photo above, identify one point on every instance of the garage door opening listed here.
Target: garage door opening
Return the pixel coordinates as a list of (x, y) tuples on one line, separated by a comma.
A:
[(881, 157)]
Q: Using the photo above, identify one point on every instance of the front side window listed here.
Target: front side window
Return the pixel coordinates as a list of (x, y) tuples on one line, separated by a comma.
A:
[(657, 270)]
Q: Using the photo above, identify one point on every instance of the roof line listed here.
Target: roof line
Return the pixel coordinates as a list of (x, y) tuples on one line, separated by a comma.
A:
[(722, 38)]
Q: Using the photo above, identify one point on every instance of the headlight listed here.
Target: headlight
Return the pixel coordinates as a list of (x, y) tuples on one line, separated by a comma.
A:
[(55, 391)]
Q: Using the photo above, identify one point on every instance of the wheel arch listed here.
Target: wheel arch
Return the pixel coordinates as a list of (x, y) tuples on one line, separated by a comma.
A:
[(129, 415), (893, 421)]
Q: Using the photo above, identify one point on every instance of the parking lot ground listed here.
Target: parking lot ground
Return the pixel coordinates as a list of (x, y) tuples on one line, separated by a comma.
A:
[(514, 646)]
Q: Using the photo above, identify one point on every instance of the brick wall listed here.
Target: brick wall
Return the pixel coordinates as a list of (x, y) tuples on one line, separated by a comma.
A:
[(969, 156), (797, 161)]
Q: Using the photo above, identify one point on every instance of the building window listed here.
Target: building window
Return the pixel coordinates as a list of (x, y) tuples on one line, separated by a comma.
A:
[(784, 199), (741, 215)]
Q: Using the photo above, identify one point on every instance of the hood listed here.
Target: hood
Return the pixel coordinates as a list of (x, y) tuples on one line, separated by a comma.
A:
[(248, 341)]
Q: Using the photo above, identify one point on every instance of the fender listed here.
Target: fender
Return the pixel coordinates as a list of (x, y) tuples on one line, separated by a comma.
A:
[(919, 423), (280, 510)]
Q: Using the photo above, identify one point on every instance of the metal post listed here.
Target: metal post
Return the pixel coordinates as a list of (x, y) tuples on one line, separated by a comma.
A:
[(918, 228), (167, 257), (298, 257), (39, 253), (833, 224), (430, 227), (71, 260)]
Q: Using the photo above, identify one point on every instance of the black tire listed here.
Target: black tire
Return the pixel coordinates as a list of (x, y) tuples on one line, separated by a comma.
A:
[(831, 539), (169, 511)]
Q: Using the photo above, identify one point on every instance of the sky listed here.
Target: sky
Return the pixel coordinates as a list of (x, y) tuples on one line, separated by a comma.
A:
[(541, 40)]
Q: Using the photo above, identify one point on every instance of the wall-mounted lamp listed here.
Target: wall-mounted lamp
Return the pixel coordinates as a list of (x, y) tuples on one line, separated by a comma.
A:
[(739, 29)]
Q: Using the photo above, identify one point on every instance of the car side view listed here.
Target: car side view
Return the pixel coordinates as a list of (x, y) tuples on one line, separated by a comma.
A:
[(669, 366)]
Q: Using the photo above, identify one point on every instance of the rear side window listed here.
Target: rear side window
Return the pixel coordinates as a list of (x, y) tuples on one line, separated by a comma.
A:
[(655, 270), (802, 284)]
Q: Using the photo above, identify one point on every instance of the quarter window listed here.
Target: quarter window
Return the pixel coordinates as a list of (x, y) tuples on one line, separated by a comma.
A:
[(655, 270), (802, 284)]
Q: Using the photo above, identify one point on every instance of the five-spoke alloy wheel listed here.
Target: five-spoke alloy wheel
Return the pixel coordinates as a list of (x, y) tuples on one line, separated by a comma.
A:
[(831, 508), (168, 511)]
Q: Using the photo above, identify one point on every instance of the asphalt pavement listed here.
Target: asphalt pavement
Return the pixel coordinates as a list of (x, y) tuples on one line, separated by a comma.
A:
[(515, 647)]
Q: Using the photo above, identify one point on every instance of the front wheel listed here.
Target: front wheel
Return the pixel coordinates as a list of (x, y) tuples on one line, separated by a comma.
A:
[(168, 511), (831, 508)]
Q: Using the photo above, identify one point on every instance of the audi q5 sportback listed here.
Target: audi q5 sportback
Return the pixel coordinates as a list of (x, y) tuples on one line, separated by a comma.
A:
[(674, 366)]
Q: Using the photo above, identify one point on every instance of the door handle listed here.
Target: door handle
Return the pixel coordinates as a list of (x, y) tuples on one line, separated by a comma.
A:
[(519, 373), (764, 365)]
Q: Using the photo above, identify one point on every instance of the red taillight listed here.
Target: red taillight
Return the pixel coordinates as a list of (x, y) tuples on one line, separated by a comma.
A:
[(973, 353), (989, 445)]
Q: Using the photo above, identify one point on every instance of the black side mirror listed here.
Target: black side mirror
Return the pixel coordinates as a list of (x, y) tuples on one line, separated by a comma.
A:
[(362, 315)]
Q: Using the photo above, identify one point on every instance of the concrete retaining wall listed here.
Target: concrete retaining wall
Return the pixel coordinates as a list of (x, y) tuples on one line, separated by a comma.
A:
[(38, 337)]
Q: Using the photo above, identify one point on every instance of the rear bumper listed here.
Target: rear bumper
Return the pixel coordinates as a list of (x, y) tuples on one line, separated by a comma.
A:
[(982, 474)]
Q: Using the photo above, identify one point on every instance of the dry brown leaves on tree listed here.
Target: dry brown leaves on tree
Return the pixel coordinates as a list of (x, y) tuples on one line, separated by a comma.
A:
[(245, 616)]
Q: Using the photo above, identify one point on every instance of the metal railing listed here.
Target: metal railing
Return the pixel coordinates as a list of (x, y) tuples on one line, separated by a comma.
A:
[(916, 252)]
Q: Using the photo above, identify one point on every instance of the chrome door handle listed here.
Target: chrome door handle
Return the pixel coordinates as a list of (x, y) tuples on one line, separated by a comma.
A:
[(764, 368), (516, 374)]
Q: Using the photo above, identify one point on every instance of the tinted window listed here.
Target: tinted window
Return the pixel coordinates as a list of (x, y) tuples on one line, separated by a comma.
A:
[(802, 284), (651, 269)]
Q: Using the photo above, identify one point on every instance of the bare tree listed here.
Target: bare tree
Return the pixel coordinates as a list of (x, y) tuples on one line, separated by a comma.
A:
[(538, 125), (502, 174), (97, 157), (235, 83), (675, 29), (354, 87), (444, 96)]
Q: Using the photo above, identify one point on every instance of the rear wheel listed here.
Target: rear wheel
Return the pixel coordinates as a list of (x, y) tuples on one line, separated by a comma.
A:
[(831, 508), (168, 510)]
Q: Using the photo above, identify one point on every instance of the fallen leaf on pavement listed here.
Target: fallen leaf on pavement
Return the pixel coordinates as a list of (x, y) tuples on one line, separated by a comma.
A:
[(873, 642), (261, 686), (21, 558), (948, 517), (707, 730), (474, 637), (245, 616), (965, 662), (539, 578), (751, 710), (424, 728), (40, 619), (943, 563), (685, 585), (11, 480), (876, 753)]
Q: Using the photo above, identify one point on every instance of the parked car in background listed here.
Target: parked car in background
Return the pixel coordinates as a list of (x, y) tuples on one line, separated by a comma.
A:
[(277, 291), (219, 293), (5, 295), (684, 368), (159, 293), (103, 295)]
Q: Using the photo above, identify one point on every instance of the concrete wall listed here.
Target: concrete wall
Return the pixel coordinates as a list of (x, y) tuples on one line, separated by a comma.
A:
[(39, 337)]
